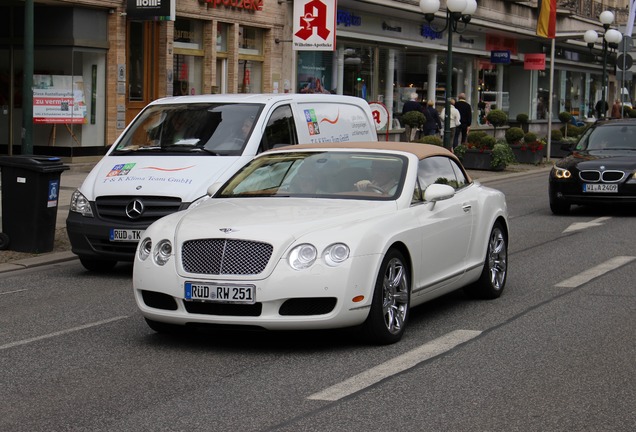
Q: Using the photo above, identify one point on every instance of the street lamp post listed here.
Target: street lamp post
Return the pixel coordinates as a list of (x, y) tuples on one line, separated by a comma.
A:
[(611, 39), (456, 11)]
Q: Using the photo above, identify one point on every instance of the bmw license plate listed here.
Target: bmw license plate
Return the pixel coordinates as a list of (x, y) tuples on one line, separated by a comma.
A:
[(222, 293), (611, 188), (125, 235)]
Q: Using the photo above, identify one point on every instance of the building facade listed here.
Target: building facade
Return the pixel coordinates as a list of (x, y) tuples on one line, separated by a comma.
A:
[(98, 63)]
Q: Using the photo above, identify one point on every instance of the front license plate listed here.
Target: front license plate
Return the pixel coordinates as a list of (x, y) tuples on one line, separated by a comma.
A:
[(243, 294), (611, 188), (125, 235)]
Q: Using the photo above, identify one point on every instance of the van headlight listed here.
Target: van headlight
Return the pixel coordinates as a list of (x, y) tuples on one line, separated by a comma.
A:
[(79, 204), (163, 252)]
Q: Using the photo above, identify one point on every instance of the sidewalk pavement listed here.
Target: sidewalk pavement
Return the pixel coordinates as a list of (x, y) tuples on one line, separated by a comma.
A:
[(73, 178)]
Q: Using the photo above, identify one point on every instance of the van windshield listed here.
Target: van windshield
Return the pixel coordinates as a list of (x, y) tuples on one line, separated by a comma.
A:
[(220, 129)]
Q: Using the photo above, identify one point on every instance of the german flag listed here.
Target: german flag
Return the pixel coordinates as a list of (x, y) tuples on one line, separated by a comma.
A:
[(546, 24)]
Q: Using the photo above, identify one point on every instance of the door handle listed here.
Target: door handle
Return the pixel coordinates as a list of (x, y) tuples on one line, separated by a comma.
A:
[(466, 208)]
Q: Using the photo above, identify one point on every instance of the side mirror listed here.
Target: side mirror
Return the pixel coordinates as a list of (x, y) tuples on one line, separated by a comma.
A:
[(214, 188), (438, 192)]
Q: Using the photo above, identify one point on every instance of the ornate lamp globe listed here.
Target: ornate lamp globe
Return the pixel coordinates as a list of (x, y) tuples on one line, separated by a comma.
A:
[(591, 37), (456, 5), (613, 37), (606, 18), (429, 6)]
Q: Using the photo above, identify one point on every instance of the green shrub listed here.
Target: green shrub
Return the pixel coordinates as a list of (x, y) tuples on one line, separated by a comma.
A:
[(431, 139), (487, 142), (474, 138), (556, 135), (530, 137), (497, 118), (631, 112), (522, 118), (502, 155), (565, 117), (414, 119), (514, 135)]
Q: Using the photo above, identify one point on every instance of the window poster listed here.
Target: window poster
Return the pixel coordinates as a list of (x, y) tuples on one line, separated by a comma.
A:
[(59, 99)]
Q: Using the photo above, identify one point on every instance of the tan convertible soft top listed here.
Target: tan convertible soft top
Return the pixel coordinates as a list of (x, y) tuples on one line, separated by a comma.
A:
[(422, 151)]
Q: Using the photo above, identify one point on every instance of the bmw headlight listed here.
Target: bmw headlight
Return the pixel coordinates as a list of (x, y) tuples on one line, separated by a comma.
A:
[(632, 178), (80, 204), (302, 256), (163, 252), (561, 173), (145, 248), (336, 254)]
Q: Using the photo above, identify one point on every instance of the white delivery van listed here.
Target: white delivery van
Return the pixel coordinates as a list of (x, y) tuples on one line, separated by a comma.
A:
[(176, 147)]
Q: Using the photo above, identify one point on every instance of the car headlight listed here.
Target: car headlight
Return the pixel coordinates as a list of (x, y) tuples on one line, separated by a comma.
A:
[(632, 178), (561, 173), (302, 256), (80, 204), (145, 248), (163, 252), (336, 254)]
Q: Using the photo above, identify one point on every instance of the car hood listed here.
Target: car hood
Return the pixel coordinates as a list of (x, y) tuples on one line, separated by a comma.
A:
[(610, 159), (274, 220), (186, 177)]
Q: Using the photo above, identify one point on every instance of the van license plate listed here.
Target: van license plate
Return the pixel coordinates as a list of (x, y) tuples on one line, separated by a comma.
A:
[(611, 188), (242, 294), (125, 235)]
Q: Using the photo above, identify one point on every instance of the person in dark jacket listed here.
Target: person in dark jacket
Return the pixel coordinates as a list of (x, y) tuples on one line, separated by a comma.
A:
[(466, 118), (433, 121), (412, 104)]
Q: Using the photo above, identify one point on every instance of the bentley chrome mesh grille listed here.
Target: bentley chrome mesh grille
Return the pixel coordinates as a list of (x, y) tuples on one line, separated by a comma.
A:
[(225, 256)]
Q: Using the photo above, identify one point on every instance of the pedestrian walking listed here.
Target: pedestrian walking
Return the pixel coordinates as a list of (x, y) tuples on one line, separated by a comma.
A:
[(466, 118)]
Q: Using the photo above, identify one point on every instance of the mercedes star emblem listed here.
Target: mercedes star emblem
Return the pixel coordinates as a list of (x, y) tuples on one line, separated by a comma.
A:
[(135, 209)]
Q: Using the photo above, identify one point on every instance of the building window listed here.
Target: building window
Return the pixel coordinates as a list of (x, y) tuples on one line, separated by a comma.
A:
[(188, 57)]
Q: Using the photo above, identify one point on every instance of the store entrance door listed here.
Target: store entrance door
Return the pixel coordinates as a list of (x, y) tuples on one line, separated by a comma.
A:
[(142, 66)]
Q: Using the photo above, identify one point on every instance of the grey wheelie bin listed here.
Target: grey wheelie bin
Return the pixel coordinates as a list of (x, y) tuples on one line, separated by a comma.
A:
[(30, 191)]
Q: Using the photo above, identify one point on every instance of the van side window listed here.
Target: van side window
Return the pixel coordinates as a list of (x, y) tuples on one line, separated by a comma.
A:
[(280, 129)]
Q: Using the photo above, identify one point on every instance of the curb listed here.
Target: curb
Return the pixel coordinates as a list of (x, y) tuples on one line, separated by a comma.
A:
[(44, 259)]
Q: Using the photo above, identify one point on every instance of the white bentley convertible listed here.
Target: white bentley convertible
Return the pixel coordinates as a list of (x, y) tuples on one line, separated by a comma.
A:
[(325, 236)]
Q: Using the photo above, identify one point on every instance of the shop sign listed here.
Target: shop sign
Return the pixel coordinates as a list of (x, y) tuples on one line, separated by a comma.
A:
[(500, 57), (314, 25), (252, 5), (348, 19), (162, 10), (534, 62), (428, 33), (389, 27)]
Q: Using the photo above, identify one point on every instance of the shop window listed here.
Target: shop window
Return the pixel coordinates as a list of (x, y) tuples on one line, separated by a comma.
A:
[(250, 40), (221, 37), (358, 71), (315, 72), (188, 57)]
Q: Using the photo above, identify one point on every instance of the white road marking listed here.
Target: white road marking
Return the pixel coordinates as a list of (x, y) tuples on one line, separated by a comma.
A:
[(595, 272), (584, 225), (13, 292), (60, 333), (396, 365)]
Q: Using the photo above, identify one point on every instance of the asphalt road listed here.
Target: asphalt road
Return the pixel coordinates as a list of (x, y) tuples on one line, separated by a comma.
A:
[(555, 353)]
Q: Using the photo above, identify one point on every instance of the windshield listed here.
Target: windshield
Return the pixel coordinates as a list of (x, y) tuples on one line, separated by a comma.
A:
[(330, 174), (617, 137), (204, 128)]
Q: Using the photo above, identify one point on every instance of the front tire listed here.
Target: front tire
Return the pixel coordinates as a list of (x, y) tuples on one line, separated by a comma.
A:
[(391, 301), (492, 281)]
